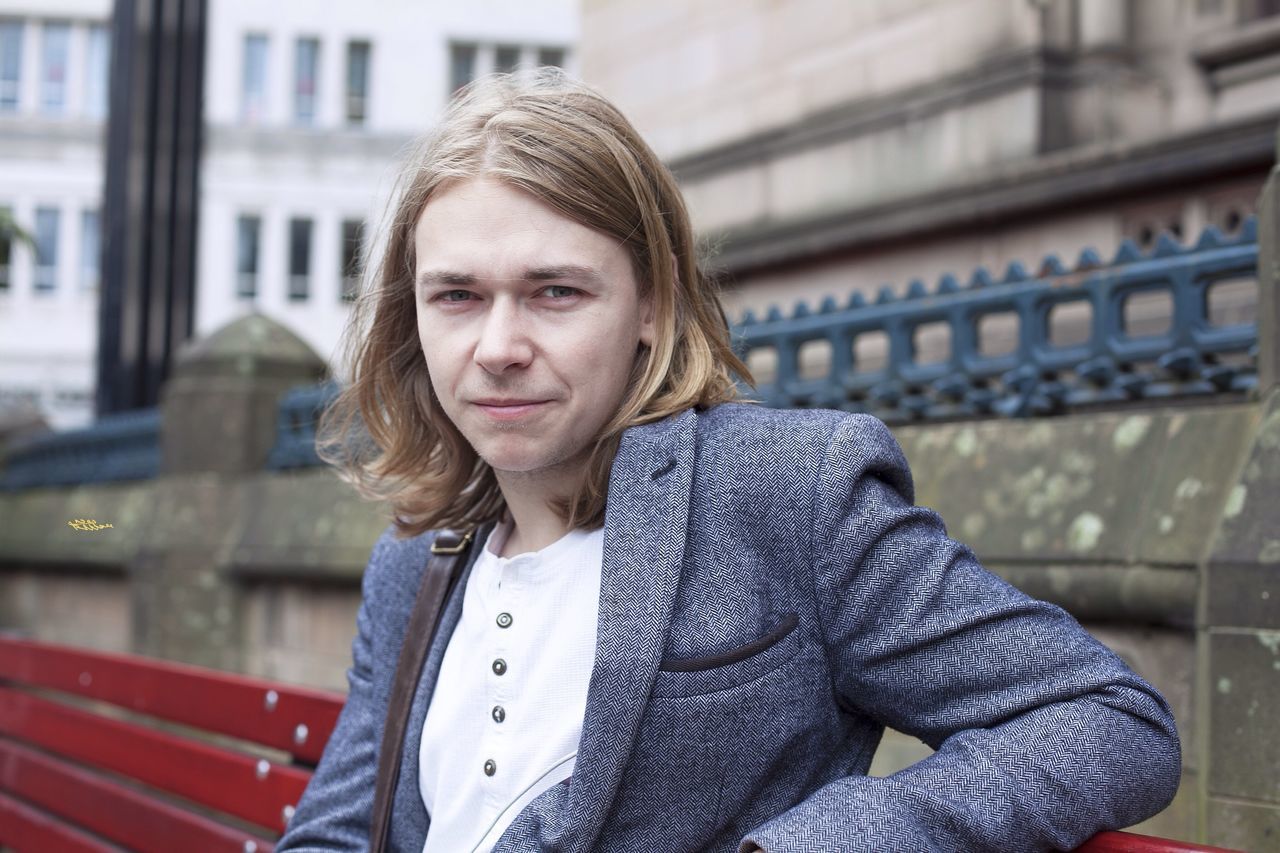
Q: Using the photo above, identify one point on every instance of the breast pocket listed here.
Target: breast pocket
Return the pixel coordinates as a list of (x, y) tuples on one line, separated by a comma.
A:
[(728, 669)]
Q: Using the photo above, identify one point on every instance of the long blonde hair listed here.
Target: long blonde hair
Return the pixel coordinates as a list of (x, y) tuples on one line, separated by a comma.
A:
[(563, 143)]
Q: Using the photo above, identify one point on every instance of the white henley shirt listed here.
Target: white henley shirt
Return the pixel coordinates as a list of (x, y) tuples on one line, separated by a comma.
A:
[(506, 715)]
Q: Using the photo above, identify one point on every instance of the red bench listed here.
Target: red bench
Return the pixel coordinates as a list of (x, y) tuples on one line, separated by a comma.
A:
[(79, 774)]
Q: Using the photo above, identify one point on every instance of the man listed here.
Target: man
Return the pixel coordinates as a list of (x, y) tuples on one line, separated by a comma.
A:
[(686, 619)]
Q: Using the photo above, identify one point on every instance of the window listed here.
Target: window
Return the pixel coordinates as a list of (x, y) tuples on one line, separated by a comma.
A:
[(46, 235), (306, 59), (462, 66), (551, 56), (247, 232), (6, 249), (90, 247), (97, 71), (299, 258), (506, 58), (10, 64), (352, 243), (53, 67), (253, 102), (357, 81)]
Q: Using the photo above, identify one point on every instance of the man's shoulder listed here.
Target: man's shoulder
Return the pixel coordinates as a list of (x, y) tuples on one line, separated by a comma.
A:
[(750, 425), (755, 446)]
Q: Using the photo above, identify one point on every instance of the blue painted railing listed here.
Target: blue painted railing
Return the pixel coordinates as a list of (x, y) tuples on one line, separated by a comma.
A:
[(300, 409), (1035, 377), (123, 446)]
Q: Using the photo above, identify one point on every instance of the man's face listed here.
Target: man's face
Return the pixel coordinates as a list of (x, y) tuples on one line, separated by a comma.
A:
[(516, 302)]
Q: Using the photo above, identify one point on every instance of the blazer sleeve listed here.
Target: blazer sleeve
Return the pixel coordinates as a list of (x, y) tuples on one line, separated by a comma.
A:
[(1043, 736), (335, 809)]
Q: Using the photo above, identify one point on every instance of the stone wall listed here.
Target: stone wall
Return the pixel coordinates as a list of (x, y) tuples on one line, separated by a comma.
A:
[(1118, 517)]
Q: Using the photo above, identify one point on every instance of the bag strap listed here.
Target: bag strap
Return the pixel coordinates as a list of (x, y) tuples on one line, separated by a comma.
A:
[(443, 569)]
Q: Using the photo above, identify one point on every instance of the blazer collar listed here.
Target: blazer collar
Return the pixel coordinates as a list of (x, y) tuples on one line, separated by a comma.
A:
[(646, 523)]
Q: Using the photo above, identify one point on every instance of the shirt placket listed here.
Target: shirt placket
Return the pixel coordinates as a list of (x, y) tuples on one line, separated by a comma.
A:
[(499, 683)]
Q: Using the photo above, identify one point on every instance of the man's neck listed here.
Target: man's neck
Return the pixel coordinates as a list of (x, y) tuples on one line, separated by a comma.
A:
[(533, 525)]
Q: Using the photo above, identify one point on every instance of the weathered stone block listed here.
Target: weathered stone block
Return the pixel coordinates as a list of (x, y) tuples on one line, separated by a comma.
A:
[(75, 609), (1243, 596), (307, 523), (897, 751), (1040, 491), (1253, 827), (1250, 531), (1244, 739), (220, 406), (36, 524), (1186, 491)]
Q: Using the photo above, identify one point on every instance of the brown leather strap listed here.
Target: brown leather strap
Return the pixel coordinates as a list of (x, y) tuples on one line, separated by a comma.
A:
[(447, 552)]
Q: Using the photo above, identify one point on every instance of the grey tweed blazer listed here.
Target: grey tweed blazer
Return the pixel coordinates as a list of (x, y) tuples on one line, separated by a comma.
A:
[(770, 600)]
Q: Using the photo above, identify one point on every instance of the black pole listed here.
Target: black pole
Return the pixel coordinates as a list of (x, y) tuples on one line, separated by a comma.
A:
[(150, 200)]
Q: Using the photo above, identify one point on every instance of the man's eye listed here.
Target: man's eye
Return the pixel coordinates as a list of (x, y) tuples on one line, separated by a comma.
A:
[(572, 291), (443, 297)]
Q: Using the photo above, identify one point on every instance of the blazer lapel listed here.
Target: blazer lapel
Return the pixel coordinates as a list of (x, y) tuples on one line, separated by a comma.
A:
[(410, 820), (646, 524)]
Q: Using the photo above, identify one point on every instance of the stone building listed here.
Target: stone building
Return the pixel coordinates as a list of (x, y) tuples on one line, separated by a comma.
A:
[(831, 146)]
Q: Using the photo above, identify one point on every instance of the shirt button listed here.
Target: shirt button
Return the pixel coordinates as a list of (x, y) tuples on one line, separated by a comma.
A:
[(504, 620), (499, 666), (490, 768), (499, 714)]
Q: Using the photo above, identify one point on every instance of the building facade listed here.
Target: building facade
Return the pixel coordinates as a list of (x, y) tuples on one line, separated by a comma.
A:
[(827, 147), (54, 60), (308, 105)]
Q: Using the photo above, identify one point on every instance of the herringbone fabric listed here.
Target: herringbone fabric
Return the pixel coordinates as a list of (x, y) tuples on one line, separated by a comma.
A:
[(770, 600)]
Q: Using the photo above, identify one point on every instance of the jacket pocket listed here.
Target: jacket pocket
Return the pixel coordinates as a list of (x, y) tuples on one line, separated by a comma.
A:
[(731, 668)]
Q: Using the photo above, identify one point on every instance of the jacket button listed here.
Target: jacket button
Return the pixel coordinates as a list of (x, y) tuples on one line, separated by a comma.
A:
[(499, 714), (504, 620), (499, 666), (490, 768)]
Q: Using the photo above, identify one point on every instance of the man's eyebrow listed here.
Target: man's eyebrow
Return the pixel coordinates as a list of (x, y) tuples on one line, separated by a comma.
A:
[(565, 271), (430, 277), (559, 272)]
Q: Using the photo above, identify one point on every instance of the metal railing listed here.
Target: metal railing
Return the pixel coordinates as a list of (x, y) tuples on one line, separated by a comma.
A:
[(985, 348), (299, 413), (123, 446), (1114, 360)]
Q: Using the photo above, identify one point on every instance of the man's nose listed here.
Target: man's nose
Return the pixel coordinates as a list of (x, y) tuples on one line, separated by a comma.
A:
[(504, 339)]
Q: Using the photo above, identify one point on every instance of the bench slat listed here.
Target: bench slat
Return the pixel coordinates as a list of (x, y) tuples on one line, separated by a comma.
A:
[(1132, 842), (226, 703), (214, 776), (132, 818), (27, 829)]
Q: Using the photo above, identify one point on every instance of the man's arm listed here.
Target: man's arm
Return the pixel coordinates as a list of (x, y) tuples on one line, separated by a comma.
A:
[(335, 809), (1043, 735)]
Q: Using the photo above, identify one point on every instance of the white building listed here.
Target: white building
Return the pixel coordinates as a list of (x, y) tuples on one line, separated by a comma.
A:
[(307, 105)]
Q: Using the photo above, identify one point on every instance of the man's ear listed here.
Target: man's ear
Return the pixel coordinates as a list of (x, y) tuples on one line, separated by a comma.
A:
[(648, 307), (648, 326)]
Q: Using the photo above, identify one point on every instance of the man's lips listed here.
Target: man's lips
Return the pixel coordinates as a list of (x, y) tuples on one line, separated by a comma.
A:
[(511, 411)]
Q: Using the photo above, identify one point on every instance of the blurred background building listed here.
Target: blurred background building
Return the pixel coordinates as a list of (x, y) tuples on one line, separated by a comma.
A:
[(826, 147), (307, 104)]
